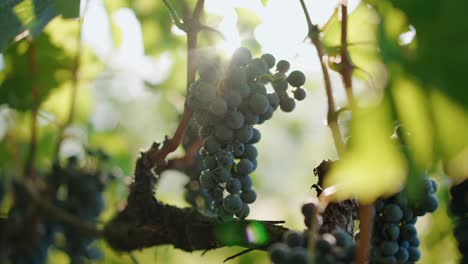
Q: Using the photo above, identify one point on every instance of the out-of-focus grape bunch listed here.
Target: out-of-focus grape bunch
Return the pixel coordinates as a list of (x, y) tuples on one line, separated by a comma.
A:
[(74, 185)]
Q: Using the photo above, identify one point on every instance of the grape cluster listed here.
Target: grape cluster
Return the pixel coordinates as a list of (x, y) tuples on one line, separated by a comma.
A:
[(78, 189), (226, 103), (330, 248), (395, 239), (459, 209), (85, 200)]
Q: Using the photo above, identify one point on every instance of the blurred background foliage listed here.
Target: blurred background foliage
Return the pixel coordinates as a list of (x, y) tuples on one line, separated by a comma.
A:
[(131, 90)]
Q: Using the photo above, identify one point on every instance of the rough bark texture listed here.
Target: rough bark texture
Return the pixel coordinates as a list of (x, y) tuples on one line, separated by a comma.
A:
[(336, 215), (146, 222)]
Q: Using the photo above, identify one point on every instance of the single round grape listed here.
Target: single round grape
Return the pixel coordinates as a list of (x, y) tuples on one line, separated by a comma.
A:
[(236, 76), (221, 174), (251, 118), (267, 115), (246, 183), (210, 162), (404, 244), (392, 213), (283, 66), (414, 241), (225, 158), (258, 103), (391, 232), (407, 231), (233, 186), (237, 149), (343, 239), (258, 88), (402, 255), (244, 212), (211, 144), (256, 136), (299, 94), (274, 100), (232, 98), (208, 69), (244, 90), (293, 238), (280, 85), (207, 180), (287, 104), (296, 79), (255, 164), (256, 67), (389, 248), (234, 120), (279, 253), (232, 203), (218, 106), (249, 196), (205, 92), (242, 56), (244, 167), (193, 103), (430, 203), (269, 60), (250, 152), (245, 134), (414, 254), (224, 133)]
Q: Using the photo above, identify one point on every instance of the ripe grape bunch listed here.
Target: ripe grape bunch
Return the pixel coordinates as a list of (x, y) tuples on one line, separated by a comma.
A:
[(226, 103), (459, 209), (395, 239)]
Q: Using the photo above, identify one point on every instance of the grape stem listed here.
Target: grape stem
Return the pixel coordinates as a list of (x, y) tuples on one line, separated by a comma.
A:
[(332, 118), (346, 66), (346, 70), (156, 155)]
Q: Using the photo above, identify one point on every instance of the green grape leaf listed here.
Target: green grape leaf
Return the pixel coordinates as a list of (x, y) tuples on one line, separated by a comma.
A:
[(436, 57), (373, 166), (68, 8), (20, 18), (51, 65)]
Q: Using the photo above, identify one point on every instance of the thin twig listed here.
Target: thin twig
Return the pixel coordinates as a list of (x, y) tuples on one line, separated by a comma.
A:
[(365, 233), (243, 252), (213, 30), (332, 118), (346, 68)]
